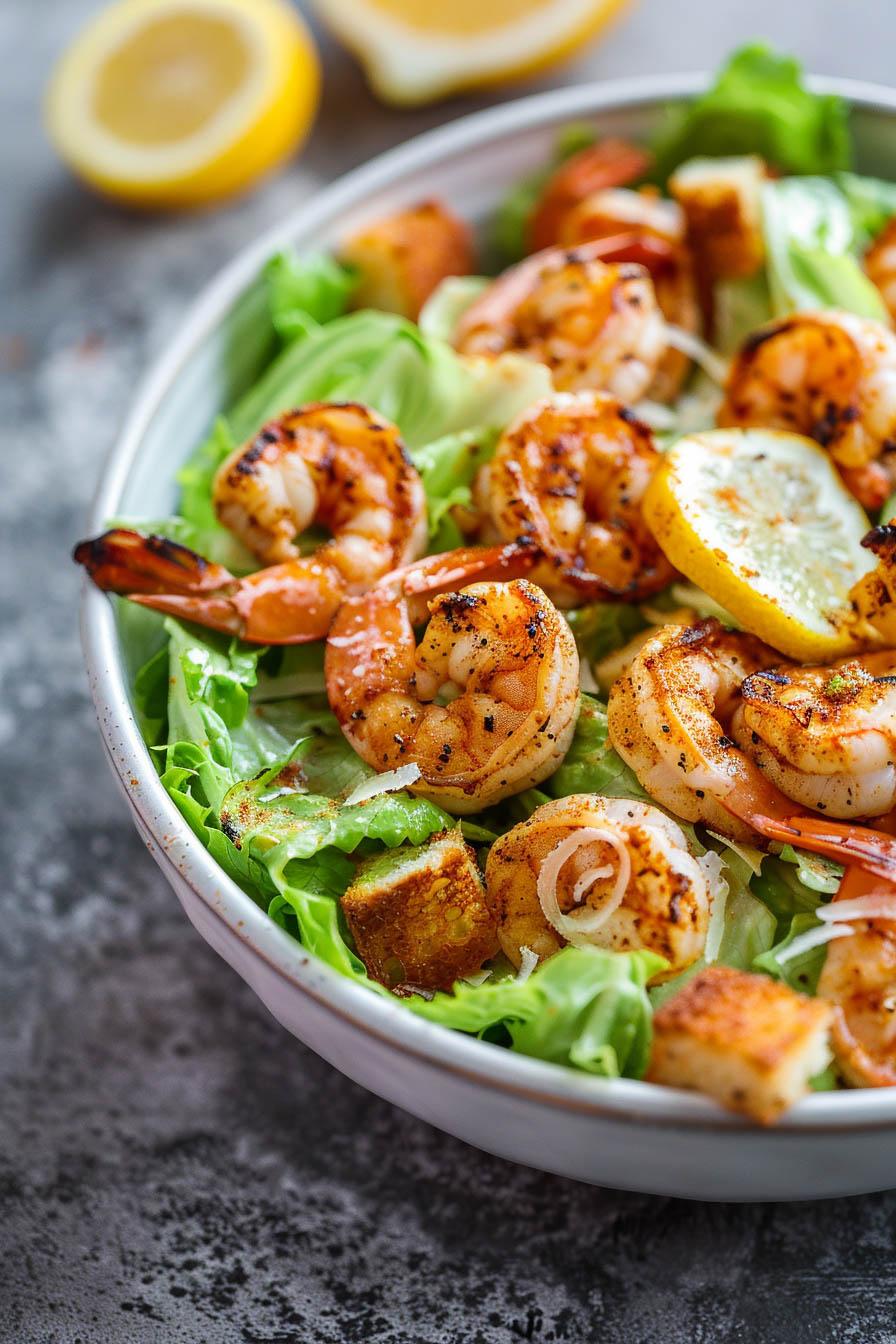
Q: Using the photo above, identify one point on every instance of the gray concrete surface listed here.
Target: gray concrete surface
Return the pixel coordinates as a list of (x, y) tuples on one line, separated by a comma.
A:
[(173, 1166)]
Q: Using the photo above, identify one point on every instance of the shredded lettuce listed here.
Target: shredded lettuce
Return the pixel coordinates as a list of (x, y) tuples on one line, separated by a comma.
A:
[(759, 105), (584, 1007)]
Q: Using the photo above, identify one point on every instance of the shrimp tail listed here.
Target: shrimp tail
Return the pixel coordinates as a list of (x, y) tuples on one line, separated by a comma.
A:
[(291, 603), (121, 561), (471, 564), (871, 850)]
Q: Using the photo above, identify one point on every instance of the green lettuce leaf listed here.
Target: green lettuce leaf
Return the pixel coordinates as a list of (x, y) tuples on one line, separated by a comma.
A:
[(602, 627), (810, 242), (448, 302), (306, 291), (584, 1007), (592, 765), (759, 105), (748, 930), (448, 467), (800, 972)]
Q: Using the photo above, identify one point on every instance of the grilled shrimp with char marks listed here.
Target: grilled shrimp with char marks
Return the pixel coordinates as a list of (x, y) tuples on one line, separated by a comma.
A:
[(829, 375), (825, 736), (670, 718), (498, 655), (594, 325), (880, 265), (607, 872), (341, 466), (570, 473), (651, 231)]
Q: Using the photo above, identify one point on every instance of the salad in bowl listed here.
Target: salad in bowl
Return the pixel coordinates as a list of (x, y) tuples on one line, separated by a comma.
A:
[(523, 641)]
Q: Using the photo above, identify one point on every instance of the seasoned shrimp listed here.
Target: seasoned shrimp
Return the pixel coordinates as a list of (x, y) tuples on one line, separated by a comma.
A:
[(656, 229), (401, 259), (880, 265), (874, 595), (825, 736), (602, 871), (498, 655), (829, 375), (570, 473), (340, 465), (670, 719), (610, 163), (595, 325), (859, 976)]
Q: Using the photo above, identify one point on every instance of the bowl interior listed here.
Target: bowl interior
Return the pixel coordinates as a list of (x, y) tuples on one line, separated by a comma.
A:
[(225, 341)]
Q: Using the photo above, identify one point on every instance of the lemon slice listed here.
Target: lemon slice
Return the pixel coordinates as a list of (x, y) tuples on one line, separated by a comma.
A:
[(170, 103), (759, 519), (417, 50)]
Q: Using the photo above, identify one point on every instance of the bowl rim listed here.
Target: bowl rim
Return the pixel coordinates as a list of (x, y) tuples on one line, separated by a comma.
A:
[(176, 846)]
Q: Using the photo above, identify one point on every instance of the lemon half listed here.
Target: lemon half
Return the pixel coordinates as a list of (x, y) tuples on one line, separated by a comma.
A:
[(416, 50), (170, 103), (760, 520)]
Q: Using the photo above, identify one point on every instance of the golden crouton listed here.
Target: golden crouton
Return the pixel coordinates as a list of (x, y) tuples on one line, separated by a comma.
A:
[(722, 205), (746, 1040), (418, 914), (401, 259)]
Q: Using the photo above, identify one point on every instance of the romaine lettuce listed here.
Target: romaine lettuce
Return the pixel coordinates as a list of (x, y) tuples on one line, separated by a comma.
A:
[(759, 105), (584, 1007), (810, 242)]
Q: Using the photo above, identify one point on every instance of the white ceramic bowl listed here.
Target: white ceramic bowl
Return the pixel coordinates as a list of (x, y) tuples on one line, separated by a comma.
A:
[(620, 1133)]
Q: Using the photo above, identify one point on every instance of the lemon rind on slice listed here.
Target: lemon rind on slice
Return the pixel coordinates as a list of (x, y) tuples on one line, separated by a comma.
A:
[(761, 521), (409, 65), (247, 136)]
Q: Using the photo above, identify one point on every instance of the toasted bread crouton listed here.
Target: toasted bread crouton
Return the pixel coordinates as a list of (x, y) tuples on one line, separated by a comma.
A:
[(401, 259), (418, 914), (746, 1040), (722, 204)]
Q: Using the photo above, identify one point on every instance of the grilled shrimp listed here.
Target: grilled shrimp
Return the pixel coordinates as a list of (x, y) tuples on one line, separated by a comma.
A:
[(874, 595), (829, 375), (602, 871), (595, 325), (825, 736), (655, 230), (859, 976), (485, 705), (340, 465), (610, 163), (670, 719), (880, 265), (569, 473)]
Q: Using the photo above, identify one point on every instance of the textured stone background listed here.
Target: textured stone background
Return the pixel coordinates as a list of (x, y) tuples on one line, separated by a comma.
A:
[(174, 1166)]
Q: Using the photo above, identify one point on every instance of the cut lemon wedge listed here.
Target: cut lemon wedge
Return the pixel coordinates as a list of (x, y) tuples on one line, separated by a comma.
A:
[(170, 103), (414, 51), (759, 519)]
